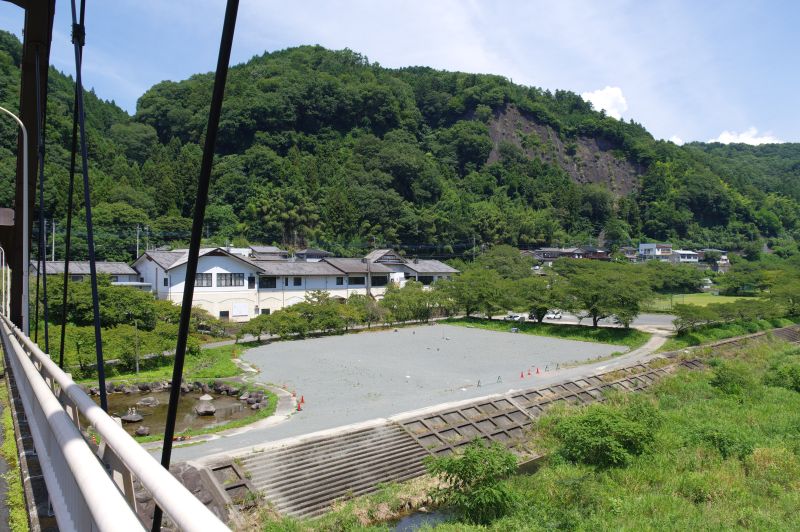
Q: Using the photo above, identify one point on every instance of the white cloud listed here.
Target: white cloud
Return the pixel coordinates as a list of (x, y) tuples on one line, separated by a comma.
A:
[(677, 140), (750, 136), (610, 99)]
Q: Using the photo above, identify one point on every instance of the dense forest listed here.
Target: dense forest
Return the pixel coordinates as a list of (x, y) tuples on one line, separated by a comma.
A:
[(323, 148)]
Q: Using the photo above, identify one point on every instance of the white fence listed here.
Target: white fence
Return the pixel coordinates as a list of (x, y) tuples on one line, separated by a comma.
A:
[(90, 486)]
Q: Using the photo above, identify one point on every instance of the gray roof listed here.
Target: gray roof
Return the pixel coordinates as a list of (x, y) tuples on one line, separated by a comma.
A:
[(356, 266), (280, 268), (376, 254), (165, 259), (314, 251), (429, 266), (211, 251), (81, 267), (267, 249)]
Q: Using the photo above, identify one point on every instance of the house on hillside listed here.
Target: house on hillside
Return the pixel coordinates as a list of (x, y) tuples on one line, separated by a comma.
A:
[(684, 256), (655, 251), (120, 273), (313, 254), (268, 253)]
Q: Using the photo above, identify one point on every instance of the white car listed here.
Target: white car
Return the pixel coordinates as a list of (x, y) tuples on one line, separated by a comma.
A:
[(553, 315), (515, 317)]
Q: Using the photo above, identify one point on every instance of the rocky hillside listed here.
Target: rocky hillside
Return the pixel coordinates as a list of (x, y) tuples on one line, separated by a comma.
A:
[(586, 159)]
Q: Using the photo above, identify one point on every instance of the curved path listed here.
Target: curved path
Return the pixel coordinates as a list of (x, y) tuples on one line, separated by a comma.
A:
[(353, 379)]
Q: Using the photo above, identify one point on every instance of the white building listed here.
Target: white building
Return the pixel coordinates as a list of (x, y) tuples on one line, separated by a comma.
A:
[(120, 273), (237, 288), (685, 256), (655, 251), (425, 271)]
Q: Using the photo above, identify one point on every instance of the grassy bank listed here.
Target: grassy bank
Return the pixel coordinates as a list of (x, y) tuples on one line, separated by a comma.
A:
[(665, 303), (722, 331), (631, 338), (212, 363), (716, 449), (15, 499)]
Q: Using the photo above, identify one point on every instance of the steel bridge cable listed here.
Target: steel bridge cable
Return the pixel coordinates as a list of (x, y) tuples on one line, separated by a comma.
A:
[(226, 43), (70, 206), (40, 113), (78, 40)]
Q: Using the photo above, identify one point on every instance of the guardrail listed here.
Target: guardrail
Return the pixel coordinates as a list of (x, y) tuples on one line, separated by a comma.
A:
[(90, 486)]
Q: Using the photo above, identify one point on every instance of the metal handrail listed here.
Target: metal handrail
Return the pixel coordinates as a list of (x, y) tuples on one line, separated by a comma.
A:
[(185, 510)]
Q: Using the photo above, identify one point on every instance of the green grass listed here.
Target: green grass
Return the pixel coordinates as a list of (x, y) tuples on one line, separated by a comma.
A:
[(212, 363), (631, 338), (665, 303), (15, 499), (712, 333)]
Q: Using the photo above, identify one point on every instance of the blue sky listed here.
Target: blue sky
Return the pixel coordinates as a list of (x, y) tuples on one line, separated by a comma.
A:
[(687, 70)]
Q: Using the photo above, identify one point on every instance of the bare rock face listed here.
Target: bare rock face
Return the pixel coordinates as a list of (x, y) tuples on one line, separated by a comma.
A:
[(585, 159)]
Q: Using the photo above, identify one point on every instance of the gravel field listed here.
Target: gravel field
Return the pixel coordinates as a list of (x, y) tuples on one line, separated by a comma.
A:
[(358, 377)]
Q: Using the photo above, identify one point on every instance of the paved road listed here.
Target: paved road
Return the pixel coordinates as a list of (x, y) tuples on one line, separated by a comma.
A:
[(354, 378)]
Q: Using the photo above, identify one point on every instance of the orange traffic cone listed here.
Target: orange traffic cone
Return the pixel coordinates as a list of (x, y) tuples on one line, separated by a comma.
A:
[(537, 371), (521, 374), (302, 399), (529, 372), (299, 408)]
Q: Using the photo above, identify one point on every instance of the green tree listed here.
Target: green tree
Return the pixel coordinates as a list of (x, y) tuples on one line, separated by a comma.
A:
[(473, 481)]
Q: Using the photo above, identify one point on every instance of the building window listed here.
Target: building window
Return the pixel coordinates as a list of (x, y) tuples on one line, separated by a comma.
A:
[(298, 281), (267, 282), (202, 280), (425, 279), (265, 311), (114, 279), (339, 281), (166, 281), (224, 315), (230, 279), (286, 281), (380, 280), (251, 282), (357, 281)]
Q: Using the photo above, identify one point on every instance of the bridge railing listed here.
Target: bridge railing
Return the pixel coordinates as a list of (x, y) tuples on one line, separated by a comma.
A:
[(90, 486)]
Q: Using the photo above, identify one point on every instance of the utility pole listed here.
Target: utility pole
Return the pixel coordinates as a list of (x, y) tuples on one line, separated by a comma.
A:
[(137, 241), (54, 240)]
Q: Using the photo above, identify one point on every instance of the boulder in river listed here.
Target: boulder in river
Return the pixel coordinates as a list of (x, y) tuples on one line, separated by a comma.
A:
[(141, 430), (205, 408), (132, 416), (148, 401)]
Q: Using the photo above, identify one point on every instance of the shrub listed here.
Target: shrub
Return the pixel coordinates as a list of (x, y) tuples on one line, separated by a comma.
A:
[(774, 468), (473, 480), (603, 436), (726, 442), (734, 378), (784, 374)]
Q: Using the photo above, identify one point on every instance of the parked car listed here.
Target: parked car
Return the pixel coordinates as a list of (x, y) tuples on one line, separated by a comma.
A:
[(553, 315), (515, 317)]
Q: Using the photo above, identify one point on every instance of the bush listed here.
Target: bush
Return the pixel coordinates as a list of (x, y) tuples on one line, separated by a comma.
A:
[(734, 378), (784, 374), (473, 480), (726, 442), (603, 436)]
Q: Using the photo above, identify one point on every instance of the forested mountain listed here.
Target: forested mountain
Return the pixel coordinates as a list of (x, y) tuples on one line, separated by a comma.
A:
[(324, 148)]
